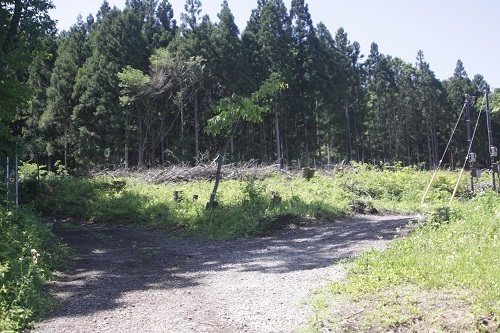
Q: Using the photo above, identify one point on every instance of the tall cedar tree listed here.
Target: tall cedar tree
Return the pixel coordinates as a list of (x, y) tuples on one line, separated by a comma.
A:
[(56, 119), (274, 36), (116, 42), (305, 75)]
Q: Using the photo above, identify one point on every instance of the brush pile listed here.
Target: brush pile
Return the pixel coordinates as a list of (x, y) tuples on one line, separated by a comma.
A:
[(201, 172)]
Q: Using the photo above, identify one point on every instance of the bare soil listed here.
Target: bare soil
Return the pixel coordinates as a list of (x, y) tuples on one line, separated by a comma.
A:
[(130, 280)]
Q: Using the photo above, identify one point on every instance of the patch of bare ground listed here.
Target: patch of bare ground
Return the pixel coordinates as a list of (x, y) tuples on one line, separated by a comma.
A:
[(128, 280)]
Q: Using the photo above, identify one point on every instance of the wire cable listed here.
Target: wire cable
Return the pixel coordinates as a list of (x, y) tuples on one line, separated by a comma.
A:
[(444, 154), (467, 157)]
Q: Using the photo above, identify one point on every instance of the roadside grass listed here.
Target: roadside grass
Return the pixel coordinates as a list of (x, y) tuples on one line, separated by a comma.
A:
[(444, 277), (29, 252)]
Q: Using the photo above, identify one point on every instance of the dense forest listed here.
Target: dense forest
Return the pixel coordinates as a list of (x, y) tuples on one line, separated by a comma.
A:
[(136, 88)]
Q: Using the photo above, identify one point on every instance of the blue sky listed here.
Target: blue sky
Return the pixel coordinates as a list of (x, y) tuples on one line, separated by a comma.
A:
[(446, 30)]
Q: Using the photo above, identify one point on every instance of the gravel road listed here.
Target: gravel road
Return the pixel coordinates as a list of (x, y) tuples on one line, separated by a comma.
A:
[(127, 280)]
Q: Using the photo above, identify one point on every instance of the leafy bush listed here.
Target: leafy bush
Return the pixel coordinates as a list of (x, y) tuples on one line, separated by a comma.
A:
[(28, 253)]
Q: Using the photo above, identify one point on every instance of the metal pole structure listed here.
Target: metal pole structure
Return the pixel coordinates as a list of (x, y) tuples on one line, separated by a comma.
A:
[(469, 140), (490, 141)]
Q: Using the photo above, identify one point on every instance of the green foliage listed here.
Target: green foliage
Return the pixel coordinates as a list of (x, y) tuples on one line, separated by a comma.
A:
[(495, 103), (24, 25), (245, 207), (231, 111), (132, 81), (28, 254), (29, 170), (396, 188), (455, 251)]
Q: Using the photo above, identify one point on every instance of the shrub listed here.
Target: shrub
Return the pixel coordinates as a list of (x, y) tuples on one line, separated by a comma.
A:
[(28, 254)]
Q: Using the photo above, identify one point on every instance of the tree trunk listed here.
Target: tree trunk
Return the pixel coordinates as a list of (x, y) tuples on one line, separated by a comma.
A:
[(140, 162), (196, 129), (231, 151), (218, 175), (287, 155), (306, 138), (152, 158), (251, 138), (162, 126), (348, 127), (12, 32), (428, 139), (127, 138), (65, 146), (277, 125), (381, 133), (263, 141), (182, 122)]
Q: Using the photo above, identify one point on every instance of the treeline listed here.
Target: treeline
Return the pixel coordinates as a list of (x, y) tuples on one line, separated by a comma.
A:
[(134, 87)]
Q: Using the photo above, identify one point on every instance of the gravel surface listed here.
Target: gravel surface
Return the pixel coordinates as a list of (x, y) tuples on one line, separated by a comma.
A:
[(127, 280)]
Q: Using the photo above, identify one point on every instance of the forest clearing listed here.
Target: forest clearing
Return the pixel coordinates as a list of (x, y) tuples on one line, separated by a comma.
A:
[(135, 228), (197, 177)]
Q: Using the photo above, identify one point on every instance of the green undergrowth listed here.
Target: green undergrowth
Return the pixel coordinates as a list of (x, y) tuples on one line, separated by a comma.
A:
[(398, 189), (29, 252), (456, 253), (245, 207)]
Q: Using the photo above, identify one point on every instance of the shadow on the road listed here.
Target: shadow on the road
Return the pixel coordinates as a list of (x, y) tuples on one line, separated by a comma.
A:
[(112, 261)]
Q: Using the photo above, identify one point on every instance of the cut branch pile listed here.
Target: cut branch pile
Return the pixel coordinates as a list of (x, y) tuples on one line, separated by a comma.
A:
[(202, 172)]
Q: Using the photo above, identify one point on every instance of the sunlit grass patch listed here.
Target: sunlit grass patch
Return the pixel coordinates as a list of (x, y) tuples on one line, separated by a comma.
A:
[(456, 253)]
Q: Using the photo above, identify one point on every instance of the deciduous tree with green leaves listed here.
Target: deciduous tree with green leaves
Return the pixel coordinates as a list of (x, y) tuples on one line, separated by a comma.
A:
[(231, 111), (23, 26)]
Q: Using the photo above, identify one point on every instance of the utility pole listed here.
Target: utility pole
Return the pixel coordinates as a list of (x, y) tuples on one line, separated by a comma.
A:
[(493, 149)]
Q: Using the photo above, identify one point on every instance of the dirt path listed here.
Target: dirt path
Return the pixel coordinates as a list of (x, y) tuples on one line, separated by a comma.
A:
[(127, 280)]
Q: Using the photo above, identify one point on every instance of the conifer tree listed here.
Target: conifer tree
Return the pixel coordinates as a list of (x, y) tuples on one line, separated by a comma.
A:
[(430, 101), (117, 41), (307, 65), (56, 118), (274, 37), (23, 27)]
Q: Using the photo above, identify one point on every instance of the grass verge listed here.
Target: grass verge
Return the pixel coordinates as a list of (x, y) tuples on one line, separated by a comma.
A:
[(29, 252), (445, 277)]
